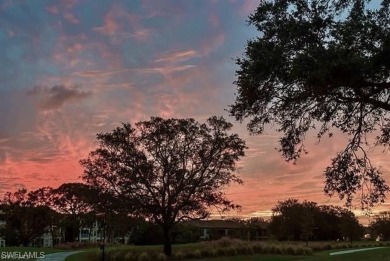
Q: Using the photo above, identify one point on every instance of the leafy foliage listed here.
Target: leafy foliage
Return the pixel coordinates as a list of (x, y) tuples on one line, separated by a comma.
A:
[(294, 220), (381, 225), (321, 64), (24, 221), (167, 170)]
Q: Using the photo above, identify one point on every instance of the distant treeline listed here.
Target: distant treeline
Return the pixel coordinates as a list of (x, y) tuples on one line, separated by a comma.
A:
[(63, 211)]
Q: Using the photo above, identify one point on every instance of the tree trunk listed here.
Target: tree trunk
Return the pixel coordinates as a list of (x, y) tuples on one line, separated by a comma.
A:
[(167, 241)]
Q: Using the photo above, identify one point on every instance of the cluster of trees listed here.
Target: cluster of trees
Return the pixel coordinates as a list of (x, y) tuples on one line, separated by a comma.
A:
[(62, 211), (294, 220), (27, 215), (380, 225), (72, 206), (316, 64), (162, 170)]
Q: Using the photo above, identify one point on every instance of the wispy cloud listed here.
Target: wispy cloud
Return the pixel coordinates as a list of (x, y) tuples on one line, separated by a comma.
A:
[(119, 25), (70, 17), (127, 61), (176, 56), (94, 74)]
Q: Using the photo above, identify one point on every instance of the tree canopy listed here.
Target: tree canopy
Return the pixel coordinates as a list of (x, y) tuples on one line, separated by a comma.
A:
[(380, 225), (24, 220), (167, 170), (294, 220), (324, 65)]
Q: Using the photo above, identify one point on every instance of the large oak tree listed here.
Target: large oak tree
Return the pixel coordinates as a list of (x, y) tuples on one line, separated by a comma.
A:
[(324, 65), (167, 170)]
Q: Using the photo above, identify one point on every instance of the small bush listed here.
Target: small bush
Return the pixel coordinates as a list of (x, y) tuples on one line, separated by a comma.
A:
[(197, 254), (267, 249), (298, 251), (277, 250), (220, 251), (162, 257), (207, 252), (241, 250), (258, 248), (143, 257), (117, 256), (307, 251), (230, 251), (130, 256), (178, 255), (225, 242), (249, 250), (290, 250)]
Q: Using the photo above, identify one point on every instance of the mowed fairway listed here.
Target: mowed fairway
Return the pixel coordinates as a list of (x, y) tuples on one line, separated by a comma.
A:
[(380, 254)]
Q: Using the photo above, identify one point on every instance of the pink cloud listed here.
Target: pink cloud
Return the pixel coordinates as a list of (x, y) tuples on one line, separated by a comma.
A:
[(213, 43), (214, 20), (110, 25), (71, 18), (247, 7), (94, 74), (176, 56), (69, 3), (52, 9), (120, 25), (141, 34)]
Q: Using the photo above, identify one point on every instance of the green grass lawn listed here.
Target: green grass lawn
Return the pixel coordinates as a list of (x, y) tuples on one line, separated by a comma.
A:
[(252, 258), (382, 254)]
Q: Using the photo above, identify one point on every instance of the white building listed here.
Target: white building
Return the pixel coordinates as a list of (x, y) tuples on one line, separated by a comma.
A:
[(91, 234)]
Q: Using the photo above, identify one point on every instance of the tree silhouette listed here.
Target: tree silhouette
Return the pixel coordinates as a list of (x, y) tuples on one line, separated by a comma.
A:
[(167, 170), (381, 225), (24, 220), (321, 64), (76, 202)]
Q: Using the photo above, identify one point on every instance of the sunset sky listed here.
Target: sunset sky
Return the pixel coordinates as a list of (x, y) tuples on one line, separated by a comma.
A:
[(73, 68)]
